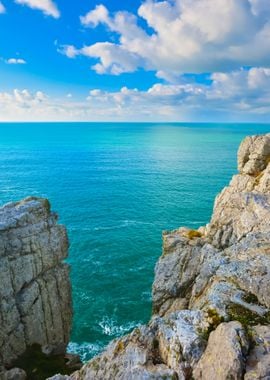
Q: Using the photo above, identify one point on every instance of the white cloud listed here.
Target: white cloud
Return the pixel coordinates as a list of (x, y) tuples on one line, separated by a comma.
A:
[(15, 61), (241, 95), (238, 95), (113, 58), (48, 7), (20, 105), (22, 98), (99, 15), (69, 51), (184, 36), (2, 8)]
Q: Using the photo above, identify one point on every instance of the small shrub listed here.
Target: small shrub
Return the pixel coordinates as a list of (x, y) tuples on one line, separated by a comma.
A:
[(193, 234)]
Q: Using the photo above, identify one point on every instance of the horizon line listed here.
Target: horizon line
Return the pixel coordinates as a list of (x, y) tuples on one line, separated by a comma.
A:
[(132, 122)]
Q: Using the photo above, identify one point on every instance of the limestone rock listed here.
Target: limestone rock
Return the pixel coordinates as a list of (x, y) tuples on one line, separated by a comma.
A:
[(224, 357), (235, 281), (165, 349), (243, 206), (254, 154), (181, 340), (35, 294), (176, 270), (132, 357)]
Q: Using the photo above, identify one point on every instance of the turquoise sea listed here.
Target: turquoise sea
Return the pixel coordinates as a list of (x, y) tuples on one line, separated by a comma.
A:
[(116, 187)]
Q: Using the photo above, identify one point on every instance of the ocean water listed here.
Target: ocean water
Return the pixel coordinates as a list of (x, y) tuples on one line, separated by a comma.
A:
[(116, 187)]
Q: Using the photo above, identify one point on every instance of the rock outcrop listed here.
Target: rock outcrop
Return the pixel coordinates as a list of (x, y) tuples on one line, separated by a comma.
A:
[(35, 292), (211, 294)]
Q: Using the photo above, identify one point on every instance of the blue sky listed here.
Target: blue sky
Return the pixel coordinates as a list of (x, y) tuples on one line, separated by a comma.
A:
[(171, 60)]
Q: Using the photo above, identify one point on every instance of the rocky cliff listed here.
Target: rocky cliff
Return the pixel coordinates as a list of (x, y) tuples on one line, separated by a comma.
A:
[(211, 297), (35, 296)]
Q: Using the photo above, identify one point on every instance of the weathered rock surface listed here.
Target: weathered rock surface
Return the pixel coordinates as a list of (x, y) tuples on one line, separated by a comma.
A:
[(224, 357), (181, 340), (258, 363), (35, 294), (253, 154), (211, 294)]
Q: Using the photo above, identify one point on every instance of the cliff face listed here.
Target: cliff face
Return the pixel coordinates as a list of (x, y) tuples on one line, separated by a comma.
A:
[(35, 296), (211, 297)]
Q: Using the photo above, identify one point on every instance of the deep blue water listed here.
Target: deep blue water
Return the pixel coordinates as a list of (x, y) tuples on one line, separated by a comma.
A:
[(116, 187)]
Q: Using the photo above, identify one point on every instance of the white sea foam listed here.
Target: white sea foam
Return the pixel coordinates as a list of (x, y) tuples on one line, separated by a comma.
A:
[(109, 327), (85, 349)]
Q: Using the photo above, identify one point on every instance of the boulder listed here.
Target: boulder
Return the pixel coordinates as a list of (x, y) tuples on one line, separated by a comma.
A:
[(224, 357)]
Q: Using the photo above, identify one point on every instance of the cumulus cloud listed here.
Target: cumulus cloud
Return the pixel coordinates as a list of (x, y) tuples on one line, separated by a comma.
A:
[(22, 98), (48, 7), (99, 15), (113, 58), (25, 105), (240, 95), (15, 61), (182, 36), (69, 51), (20, 105), (2, 8)]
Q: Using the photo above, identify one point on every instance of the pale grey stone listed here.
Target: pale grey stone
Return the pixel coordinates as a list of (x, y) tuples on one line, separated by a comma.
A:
[(35, 294), (181, 340), (224, 357), (253, 154)]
